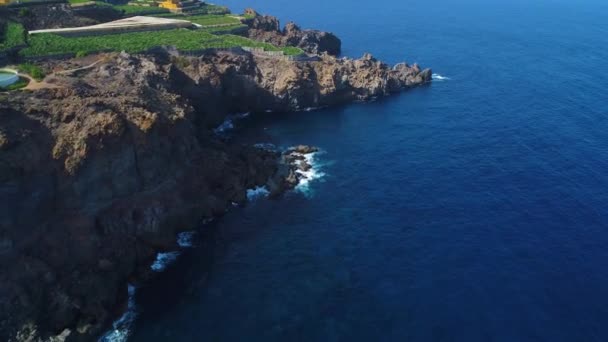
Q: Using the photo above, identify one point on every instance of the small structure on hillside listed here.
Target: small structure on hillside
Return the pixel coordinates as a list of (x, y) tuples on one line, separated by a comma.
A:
[(177, 6)]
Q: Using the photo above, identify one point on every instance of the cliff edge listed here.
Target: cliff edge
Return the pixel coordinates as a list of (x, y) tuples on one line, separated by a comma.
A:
[(102, 171)]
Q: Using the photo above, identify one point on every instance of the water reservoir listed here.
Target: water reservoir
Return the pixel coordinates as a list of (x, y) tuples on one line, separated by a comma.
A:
[(7, 78)]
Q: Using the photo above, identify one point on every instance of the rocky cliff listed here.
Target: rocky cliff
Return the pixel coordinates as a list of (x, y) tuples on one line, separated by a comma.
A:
[(268, 29), (58, 15), (100, 173)]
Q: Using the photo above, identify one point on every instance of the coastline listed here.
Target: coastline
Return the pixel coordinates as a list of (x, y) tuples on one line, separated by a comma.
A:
[(139, 130)]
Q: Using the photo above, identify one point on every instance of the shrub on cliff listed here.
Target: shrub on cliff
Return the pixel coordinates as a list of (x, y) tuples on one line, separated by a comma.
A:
[(14, 35), (32, 70)]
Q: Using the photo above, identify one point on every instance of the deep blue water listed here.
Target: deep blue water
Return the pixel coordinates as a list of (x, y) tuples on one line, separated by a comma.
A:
[(474, 209)]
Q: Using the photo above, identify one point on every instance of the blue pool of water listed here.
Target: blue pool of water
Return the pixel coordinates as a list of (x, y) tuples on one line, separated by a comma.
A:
[(7, 78), (473, 209)]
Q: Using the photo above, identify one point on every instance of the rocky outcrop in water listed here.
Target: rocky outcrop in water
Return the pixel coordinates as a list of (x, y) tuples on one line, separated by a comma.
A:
[(261, 83), (268, 29), (99, 174)]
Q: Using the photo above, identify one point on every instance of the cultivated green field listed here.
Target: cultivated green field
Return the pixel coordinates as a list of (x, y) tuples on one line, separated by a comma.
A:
[(208, 20), (183, 39), (225, 29), (216, 33), (75, 2), (131, 10)]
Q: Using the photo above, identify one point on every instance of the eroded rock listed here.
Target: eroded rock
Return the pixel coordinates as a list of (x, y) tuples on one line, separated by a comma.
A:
[(100, 173), (268, 29)]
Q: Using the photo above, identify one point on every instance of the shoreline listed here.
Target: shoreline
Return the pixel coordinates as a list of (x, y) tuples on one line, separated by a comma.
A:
[(140, 131)]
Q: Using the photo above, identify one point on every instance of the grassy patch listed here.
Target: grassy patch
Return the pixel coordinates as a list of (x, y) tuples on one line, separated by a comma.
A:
[(133, 42), (131, 10), (204, 9), (210, 19), (138, 10), (14, 35), (75, 2), (215, 9), (225, 29), (32, 70), (292, 51)]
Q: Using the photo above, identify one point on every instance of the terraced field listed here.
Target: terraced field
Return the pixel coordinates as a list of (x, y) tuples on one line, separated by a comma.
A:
[(48, 44)]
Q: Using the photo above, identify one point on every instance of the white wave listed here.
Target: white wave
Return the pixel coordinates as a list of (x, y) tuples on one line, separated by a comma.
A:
[(121, 328), (184, 239), (163, 260), (228, 124), (257, 192), (438, 77), (314, 173), (224, 127)]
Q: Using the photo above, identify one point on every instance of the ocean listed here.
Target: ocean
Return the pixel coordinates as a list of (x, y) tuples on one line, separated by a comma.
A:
[(471, 209)]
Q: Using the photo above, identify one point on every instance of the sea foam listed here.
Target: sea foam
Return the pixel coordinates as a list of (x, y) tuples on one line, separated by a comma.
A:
[(228, 124), (314, 173), (163, 260), (185, 239), (121, 328), (260, 191), (438, 77)]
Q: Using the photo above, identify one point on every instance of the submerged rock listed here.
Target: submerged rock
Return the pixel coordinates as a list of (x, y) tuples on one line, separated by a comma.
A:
[(303, 149)]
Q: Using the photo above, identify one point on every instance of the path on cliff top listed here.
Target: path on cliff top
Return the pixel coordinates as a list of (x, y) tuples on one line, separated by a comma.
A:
[(36, 85)]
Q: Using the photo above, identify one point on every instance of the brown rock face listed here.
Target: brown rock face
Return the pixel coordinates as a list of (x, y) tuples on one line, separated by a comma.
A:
[(259, 83), (268, 29), (99, 174)]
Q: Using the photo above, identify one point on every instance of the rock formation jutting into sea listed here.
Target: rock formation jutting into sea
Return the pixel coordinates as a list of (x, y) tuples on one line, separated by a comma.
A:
[(103, 170)]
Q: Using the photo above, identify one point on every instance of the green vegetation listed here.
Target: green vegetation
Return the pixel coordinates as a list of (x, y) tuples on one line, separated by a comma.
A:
[(76, 2), (233, 41), (32, 70), (292, 51), (225, 29), (22, 83), (210, 19), (217, 32), (183, 39), (139, 10), (214, 9), (205, 9), (130, 10), (14, 35)]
